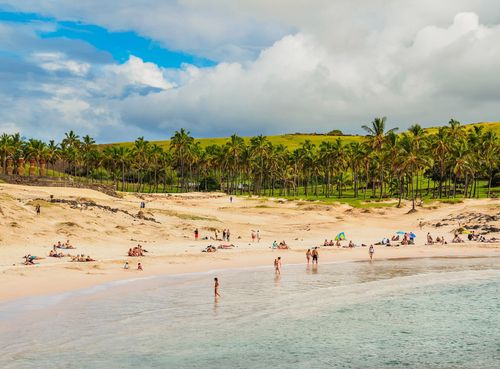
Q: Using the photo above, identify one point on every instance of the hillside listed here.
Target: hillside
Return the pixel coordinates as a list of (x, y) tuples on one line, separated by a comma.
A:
[(292, 141)]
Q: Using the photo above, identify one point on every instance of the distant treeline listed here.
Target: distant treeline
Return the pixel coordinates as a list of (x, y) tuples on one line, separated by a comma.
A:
[(452, 161)]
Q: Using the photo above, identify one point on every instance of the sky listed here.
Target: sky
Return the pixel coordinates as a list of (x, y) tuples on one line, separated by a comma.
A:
[(117, 70)]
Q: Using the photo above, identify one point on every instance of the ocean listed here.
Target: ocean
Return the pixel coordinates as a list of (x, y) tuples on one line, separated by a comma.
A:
[(406, 313)]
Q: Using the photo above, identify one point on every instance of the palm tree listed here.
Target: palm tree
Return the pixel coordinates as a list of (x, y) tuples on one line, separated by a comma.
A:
[(376, 138), (490, 154), (6, 149), (233, 151), (260, 149), (180, 144), (377, 132)]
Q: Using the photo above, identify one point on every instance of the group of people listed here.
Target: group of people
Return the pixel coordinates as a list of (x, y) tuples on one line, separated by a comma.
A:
[(81, 259), (314, 255), (55, 254), (282, 245), (255, 235), (439, 240), (126, 266), (136, 251), (226, 235), (331, 243), (63, 245)]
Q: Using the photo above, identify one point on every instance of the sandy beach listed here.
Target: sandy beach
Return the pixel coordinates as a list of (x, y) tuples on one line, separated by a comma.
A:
[(105, 227)]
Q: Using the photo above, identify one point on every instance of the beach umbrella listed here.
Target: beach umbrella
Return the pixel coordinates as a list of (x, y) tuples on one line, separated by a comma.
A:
[(340, 236), (400, 232)]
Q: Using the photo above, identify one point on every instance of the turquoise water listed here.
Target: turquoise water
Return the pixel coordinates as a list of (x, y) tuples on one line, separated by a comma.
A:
[(420, 313)]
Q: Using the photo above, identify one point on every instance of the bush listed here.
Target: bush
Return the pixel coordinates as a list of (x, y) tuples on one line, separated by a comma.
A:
[(100, 174), (335, 132), (209, 184)]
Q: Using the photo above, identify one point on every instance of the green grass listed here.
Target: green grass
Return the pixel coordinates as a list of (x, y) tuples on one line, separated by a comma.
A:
[(184, 216), (292, 141)]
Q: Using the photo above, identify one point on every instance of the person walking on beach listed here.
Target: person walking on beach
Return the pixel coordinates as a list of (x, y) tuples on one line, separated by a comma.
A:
[(196, 234), (308, 256), (315, 256), (258, 235), (277, 265), (253, 236), (371, 251), (37, 209), (231, 199), (216, 287)]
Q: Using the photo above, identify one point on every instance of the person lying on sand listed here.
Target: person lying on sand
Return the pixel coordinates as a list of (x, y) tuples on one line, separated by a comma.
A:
[(29, 260), (209, 248), (81, 259), (225, 246), (55, 254)]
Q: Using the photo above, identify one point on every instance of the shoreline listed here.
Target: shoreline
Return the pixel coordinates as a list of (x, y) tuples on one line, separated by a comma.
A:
[(44, 280)]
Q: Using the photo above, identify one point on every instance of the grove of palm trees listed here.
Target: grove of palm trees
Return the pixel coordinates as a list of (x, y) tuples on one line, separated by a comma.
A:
[(452, 162)]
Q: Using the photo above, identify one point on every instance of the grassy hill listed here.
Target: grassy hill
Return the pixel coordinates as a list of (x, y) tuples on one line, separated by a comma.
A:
[(292, 141)]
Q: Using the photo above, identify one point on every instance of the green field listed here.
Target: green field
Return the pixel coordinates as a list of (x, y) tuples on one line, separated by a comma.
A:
[(292, 141)]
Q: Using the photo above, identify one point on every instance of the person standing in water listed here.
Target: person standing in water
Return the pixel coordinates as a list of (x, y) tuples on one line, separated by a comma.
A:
[(216, 287), (315, 256), (277, 265), (371, 251), (308, 256)]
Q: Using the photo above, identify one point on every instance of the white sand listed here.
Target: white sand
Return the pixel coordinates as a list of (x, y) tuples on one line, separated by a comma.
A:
[(106, 236)]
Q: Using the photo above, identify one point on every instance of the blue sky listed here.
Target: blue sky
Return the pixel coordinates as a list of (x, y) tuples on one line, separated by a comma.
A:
[(119, 44), (120, 69)]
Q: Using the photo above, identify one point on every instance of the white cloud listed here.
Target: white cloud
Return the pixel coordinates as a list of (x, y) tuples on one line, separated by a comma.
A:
[(57, 62), (284, 66), (134, 72)]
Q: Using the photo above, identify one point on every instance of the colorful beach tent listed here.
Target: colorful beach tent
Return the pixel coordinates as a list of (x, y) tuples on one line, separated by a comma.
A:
[(340, 236)]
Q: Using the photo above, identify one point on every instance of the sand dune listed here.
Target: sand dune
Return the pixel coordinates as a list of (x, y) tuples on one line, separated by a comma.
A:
[(105, 227)]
